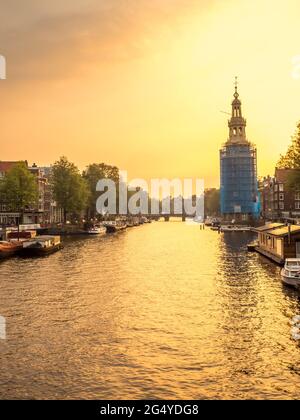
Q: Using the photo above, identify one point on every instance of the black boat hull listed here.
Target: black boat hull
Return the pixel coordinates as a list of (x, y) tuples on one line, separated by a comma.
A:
[(114, 229), (40, 252)]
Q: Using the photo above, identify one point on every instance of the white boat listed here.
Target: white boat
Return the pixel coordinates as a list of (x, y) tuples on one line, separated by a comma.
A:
[(208, 221), (235, 228), (96, 230), (290, 274)]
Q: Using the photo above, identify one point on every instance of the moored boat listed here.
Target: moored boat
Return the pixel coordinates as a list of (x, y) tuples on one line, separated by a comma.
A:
[(235, 228), (41, 246), (143, 220), (23, 234), (96, 230), (290, 274), (136, 221), (115, 226), (9, 249), (252, 247), (216, 225)]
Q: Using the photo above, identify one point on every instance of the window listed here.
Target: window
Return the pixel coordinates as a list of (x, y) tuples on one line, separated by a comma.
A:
[(297, 196), (281, 206), (297, 205), (275, 187), (281, 197), (281, 187)]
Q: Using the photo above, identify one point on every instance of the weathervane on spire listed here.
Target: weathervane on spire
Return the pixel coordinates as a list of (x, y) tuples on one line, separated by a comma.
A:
[(236, 83)]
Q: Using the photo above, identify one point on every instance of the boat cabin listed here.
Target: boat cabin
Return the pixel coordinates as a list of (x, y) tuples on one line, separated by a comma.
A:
[(279, 242), (42, 242)]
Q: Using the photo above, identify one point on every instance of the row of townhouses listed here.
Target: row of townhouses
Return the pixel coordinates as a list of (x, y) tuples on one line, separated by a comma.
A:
[(277, 200), (44, 212)]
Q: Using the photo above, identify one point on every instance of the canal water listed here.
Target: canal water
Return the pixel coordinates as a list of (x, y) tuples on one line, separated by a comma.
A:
[(160, 311)]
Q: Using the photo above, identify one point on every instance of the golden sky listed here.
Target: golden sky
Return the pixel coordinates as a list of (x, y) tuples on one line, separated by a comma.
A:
[(140, 84)]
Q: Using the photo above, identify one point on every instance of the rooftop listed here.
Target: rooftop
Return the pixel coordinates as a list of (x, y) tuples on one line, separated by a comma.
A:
[(270, 226), (5, 166), (283, 231)]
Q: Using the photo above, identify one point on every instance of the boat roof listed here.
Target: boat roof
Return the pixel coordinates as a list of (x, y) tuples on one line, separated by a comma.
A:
[(269, 226), (43, 238), (285, 230)]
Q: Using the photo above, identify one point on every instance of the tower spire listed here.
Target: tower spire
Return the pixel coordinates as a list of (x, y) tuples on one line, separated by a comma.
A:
[(237, 124), (236, 83)]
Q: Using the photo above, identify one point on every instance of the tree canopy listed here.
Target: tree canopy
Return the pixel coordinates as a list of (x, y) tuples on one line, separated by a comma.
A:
[(291, 160), (70, 189), (212, 202), (19, 188), (94, 173)]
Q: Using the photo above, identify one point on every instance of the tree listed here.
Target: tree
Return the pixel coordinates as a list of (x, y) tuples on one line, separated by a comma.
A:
[(69, 187), (94, 173), (291, 160), (212, 202), (19, 188), (293, 181)]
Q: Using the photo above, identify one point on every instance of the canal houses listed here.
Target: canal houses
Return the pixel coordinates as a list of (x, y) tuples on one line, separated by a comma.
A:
[(278, 242)]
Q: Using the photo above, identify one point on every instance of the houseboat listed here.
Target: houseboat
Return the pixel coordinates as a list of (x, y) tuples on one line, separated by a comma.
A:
[(41, 246), (9, 249), (290, 274), (23, 234), (115, 226), (279, 242)]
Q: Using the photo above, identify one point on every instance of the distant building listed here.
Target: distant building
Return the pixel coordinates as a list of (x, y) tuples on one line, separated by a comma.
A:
[(45, 211), (239, 188), (53, 213), (278, 202)]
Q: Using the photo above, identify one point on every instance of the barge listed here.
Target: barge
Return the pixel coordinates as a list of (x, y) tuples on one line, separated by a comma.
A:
[(41, 246)]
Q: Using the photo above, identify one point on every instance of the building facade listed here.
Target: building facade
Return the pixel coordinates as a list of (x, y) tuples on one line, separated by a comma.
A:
[(239, 187), (45, 211), (278, 201)]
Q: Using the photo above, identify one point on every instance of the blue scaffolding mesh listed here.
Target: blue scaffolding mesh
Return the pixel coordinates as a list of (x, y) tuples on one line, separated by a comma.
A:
[(239, 190)]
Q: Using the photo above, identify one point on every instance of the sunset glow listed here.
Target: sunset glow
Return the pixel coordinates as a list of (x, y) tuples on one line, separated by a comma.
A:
[(142, 84)]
